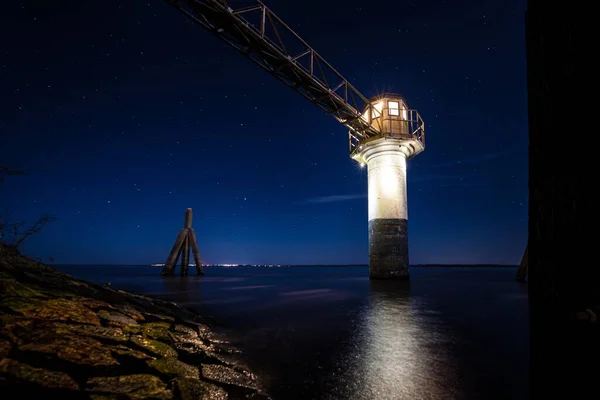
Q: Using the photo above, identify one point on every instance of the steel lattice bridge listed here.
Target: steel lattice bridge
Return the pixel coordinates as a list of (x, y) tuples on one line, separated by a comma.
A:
[(264, 38)]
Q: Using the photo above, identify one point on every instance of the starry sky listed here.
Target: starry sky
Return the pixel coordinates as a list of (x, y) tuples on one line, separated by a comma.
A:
[(124, 113)]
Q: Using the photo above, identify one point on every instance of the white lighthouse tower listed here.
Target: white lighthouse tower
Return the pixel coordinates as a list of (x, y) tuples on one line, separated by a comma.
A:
[(400, 136)]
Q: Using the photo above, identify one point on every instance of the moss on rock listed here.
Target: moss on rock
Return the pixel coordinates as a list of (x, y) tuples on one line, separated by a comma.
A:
[(105, 334), (174, 368), (75, 349), (56, 310), (133, 329), (193, 389), (128, 387), (158, 331), (12, 288), (116, 318), (153, 346), (128, 352)]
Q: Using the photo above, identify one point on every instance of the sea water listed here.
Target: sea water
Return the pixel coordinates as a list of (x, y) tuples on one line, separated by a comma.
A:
[(330, 333)]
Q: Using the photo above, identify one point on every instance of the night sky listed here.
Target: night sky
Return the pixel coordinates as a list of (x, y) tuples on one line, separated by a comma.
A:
[(123, 114)]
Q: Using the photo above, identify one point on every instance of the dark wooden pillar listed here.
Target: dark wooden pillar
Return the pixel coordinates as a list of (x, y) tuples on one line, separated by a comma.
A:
[(199, 267), (169, 268), (563, 278), (185, 240), (185, 256)]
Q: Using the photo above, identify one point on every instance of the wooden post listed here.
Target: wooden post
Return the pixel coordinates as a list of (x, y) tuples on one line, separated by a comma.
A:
[(185, 256), (185, 240), (174, 254), (199, 267), (524, 267), (187, 222)]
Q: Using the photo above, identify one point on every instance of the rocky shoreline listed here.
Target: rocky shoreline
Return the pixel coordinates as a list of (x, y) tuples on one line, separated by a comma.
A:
[(77, 340)]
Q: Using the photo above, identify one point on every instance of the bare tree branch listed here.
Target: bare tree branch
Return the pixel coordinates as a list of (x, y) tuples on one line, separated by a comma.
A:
[(33, 229), (22, 230)]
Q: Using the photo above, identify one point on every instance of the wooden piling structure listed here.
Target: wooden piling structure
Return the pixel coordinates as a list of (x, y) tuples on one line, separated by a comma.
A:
[(186, 240), (524, 267)]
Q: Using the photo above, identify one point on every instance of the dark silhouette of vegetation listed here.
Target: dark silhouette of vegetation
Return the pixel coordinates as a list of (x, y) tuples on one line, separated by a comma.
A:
[(13, 234), (20, 231)]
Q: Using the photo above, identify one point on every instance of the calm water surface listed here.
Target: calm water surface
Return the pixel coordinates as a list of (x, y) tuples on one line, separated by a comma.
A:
[(331, 333)]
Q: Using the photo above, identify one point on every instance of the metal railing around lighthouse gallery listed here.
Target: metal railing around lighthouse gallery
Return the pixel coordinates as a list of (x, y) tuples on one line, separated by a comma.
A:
[(407, 126)]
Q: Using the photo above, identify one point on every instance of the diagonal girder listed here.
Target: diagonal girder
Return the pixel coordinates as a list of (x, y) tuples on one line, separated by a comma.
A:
[(263, 42)]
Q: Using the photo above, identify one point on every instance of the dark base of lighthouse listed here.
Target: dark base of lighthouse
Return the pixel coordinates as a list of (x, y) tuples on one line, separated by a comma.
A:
[(388, 249)]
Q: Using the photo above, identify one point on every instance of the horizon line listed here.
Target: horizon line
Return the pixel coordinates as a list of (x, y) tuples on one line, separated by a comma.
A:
[(298, 265)]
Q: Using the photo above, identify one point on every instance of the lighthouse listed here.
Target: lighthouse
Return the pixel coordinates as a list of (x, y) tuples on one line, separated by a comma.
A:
[(399, 136)]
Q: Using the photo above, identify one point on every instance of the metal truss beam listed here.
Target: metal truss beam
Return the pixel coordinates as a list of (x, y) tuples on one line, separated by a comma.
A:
[(260, 35)]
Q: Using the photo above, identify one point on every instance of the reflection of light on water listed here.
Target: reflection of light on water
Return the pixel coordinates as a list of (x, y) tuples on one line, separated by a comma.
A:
[(393, 353)]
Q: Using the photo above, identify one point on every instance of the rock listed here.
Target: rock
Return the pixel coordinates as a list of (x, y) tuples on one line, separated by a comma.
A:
[(93, 304), (21, 330), (134, 329), (57, 283), (56, 310), (132, 313), (225, 359), (193, 389), (25, 373), (194, 354), (5, 348), (16, 304), (204, 332), (223, 374), (128, 387), (153, 346), (127, 352), (200, 340), (192, 347), (76, 349), (81, 340), (116, 318), (15, 328), (158, 331), (138, 300), (226, 349), (12, 288), (174, 368), (192, 344), (157, 317), (207, 334), (104, 334), (185, 331)]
